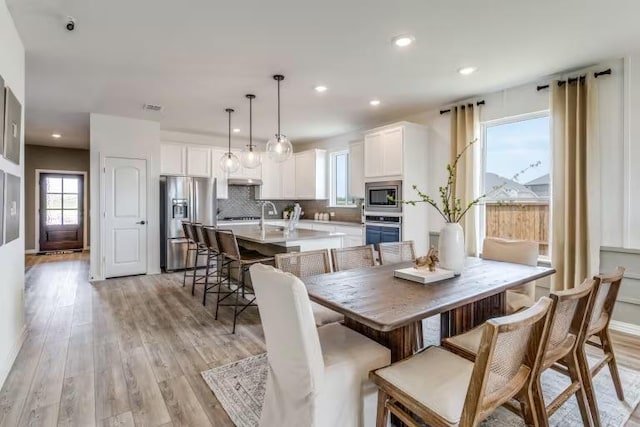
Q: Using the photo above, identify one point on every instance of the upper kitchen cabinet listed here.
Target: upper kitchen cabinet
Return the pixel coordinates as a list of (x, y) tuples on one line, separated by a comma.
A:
[(271, 188), (356, 171), (222, 190), (173, 159), (303, 176), (199, 161), (390, 151), (311, 175)]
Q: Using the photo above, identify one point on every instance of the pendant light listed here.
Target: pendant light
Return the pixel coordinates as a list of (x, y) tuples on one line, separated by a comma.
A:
[(229, 162), (279, 148), (250, 156)]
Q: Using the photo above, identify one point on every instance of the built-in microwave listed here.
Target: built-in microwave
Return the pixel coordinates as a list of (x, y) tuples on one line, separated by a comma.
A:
[(383, 196)]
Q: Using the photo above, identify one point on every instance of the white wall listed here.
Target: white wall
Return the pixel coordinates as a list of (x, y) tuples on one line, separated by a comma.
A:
[(12, 326), (631, 153), (128, 138)]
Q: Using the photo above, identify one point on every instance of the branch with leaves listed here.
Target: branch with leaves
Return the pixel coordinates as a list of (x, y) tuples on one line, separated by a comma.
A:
[(451, 208)]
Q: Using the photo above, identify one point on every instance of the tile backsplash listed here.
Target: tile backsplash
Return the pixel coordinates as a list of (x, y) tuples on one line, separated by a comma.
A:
[(242, 202)]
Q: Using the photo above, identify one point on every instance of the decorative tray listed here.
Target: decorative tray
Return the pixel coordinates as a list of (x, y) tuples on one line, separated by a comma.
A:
[(423, 275)]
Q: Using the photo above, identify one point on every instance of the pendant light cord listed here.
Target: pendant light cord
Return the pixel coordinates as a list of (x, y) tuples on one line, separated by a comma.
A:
[(250, 123), (279, 110), (229, 133)]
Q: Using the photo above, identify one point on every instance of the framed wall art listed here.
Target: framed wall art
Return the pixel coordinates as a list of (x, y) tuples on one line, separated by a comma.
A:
[(12, 208), (12, 127)]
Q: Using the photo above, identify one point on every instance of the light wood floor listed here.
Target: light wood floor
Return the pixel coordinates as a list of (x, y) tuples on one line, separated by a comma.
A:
[(130, 351)]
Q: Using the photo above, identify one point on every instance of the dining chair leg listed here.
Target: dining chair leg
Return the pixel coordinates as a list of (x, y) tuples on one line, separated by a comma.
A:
[(607, 347), (538, 402), (383, 413), (587, 382), (570, 361), (528, 407)]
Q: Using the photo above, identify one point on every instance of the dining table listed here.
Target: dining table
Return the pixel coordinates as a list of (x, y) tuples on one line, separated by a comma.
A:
[(389, 310)]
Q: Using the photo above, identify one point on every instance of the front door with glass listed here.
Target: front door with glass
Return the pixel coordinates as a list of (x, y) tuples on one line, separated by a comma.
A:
[(61, 212)]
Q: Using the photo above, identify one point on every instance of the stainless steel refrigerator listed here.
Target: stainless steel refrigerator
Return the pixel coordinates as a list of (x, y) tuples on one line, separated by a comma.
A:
[(183, 198)]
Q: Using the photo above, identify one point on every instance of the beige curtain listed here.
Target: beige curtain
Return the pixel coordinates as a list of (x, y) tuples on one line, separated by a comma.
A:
[(575, 215), (465, 127)]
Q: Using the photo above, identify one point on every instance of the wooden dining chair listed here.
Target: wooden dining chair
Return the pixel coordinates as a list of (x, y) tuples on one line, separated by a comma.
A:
[(353, 257), (240, 262), (518, 252), (396, 252), (444, 389), (305, 264), (605, 293), (567, 317)]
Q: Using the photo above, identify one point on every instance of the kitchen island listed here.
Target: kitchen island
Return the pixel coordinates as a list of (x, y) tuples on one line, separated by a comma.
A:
[(275, 239)]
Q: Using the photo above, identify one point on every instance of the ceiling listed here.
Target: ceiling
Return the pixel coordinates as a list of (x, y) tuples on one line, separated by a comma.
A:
[(196, 58)]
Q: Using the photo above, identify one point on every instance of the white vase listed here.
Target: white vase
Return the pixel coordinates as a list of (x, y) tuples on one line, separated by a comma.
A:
[(451, 247)]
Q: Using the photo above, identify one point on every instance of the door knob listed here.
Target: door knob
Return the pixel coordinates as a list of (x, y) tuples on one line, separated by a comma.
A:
[(141, 222)]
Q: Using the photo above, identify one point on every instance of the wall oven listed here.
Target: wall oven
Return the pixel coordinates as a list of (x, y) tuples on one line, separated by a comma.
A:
[(382, 229), (383, 196)]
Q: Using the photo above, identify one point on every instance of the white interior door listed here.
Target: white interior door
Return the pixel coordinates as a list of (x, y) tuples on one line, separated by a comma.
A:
[(125, 217)]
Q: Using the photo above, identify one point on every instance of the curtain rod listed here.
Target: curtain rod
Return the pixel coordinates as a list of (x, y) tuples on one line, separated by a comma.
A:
[(470, 105), (575, 79)]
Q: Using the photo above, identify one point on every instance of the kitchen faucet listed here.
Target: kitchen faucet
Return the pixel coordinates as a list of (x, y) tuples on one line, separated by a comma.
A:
[(262, 205)]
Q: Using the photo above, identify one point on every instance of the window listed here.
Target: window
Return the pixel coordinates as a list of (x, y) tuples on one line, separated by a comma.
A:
[(339, 181), (517, 203), (62, 201)]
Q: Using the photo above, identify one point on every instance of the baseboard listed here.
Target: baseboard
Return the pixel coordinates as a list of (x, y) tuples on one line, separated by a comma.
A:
[(624, 327), (30, 252), (8, 363)]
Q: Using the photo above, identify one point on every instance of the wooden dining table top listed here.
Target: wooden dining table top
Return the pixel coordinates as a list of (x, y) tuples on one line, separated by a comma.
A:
[(374, 297)]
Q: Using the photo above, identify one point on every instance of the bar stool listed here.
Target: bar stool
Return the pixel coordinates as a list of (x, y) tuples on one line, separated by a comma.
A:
[(192, 246), (234, 259), (214, 260), (203, 250)]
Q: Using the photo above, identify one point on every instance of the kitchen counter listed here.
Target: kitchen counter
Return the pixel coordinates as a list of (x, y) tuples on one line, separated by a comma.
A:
[(282, 222), (274, 239)]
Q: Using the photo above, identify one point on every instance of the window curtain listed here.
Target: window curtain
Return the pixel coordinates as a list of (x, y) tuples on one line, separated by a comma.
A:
[(575, 215), (465, 127)]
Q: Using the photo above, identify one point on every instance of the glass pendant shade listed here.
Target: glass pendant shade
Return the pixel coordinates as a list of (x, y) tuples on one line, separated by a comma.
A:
[(229, 163), (250, 158), (279, 148)]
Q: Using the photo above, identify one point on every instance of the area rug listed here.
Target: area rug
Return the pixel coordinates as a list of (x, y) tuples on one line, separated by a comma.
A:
[(240, 388)]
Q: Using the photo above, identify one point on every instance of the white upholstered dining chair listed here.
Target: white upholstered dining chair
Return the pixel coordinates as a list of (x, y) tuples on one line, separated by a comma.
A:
[(519, 252), (317, 376)]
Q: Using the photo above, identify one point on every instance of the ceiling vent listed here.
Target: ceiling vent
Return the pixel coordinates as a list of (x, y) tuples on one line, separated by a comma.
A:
[(152, 107)]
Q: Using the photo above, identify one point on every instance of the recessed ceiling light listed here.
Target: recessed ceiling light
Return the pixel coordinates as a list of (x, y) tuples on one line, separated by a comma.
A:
[(320, 88), (465, 71), (236, 130), (374, 102), (56, 135), (403, 40)]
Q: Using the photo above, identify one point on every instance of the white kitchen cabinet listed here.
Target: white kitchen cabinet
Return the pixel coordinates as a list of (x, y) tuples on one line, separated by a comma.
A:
[(311, 175), (271, 188), (173, 160), (288, 171), (392, 141), (198, 161), (383, 153), (222, 189), (356, 177)]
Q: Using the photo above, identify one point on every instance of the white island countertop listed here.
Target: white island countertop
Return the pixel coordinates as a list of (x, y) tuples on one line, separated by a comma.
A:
[(278, 236)]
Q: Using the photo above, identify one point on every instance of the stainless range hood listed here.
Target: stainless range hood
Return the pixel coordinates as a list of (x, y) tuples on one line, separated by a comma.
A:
[(244, 182)]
